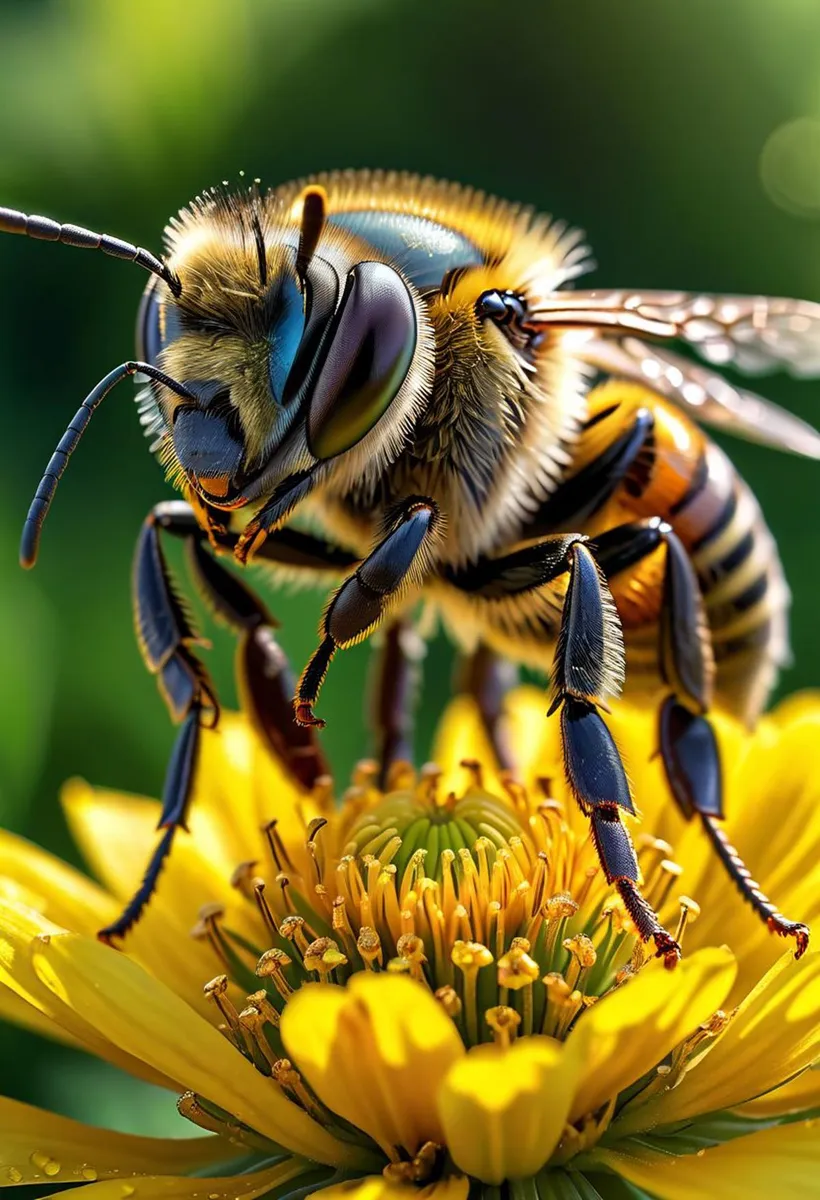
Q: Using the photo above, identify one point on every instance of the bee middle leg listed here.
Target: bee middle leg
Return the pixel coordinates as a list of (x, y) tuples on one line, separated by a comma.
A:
[(688, 745), (587, 668), (367, 596)]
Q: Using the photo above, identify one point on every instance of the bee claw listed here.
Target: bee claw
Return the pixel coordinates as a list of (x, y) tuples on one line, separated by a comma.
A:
[(668, 949), (303, 715), (801, 933)]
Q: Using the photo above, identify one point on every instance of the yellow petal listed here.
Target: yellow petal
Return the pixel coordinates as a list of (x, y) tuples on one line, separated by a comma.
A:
[(504, 1109), (375, 1053), (376, 1187), (782, 1161), (117, 835), (146, 1019), (40, 1147), (629, 1032), (774, 1034), (192, 1187), (799, 1095), (55, 889), (461, 735), (19, 926)]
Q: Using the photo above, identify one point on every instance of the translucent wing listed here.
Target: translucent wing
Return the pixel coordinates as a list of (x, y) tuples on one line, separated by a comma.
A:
[(754, 334)]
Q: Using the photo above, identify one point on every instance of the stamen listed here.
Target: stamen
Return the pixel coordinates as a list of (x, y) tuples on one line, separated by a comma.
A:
[(504, 1022), (425, 1167), (243, 878), (207, 928), (689, 912), (289, 1079), (262, 1001), (558, 999), (217, 991), (369, 946), (271, 966), (277, 847), (477, 774), (470, 957), (449, 1001), (293, 929), (411, 949), (323, 956), (516, 969), (253, 1023), (264, 907), (584, 957)]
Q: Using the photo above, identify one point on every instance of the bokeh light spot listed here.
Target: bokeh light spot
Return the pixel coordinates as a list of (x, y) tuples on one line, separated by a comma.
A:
[(790, 167)]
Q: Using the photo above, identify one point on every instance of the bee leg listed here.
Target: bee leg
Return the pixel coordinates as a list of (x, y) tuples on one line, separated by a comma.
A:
[(587, 667), (366, 596), (487, 677), (264, 680), (166, 636), (396, 679), (688, 746)]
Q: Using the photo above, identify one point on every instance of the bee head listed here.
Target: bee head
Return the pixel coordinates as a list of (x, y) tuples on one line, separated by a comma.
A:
[(287, 356)]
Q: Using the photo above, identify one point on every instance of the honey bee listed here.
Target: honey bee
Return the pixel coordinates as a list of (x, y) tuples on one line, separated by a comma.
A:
[(407, 363)]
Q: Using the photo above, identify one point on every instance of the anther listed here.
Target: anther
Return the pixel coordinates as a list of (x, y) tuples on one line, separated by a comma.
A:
[(429, 776), (272, 966), (366, 773), (253, 1023), (217, 991), (277, 847), (473, 766), (322, 793), (264, 907), (285, 1074), (293, 929), (504, 1022), (689, 912), (262, 1001), (323, 956), (369, 946), (516, 969), (410, 947), (448, 999), (244, 879)]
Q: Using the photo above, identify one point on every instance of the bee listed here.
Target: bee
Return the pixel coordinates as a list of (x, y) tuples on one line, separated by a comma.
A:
[(409, 364)]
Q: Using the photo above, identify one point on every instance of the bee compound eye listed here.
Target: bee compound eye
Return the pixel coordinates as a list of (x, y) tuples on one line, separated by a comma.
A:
[(149, 341), (370, 347)]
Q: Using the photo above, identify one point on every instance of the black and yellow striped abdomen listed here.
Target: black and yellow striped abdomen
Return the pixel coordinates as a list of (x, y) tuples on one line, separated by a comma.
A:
[(687, 480)]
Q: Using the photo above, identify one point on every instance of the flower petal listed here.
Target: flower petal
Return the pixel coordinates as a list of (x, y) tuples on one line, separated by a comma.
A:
[(55, 889), (782, 1161), (628, 1032), (375, 1053), (798, 1095), (19, 926), (774, 1034), (116, 835), (193, 1187), (376, 1187), (504, 1108), (145, 1018), (40, 1147)]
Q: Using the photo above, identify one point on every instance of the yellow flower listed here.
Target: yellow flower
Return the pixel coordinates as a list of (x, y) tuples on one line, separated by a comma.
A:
[(431, 990)]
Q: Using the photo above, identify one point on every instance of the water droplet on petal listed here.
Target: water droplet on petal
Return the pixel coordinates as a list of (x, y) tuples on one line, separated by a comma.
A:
[(127, 1190), (89, 1173), (14, 1175)]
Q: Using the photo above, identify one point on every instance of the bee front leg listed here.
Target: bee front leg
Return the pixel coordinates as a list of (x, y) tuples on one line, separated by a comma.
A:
[(688, 745), (368, 595), (166, 637), (588, 667)]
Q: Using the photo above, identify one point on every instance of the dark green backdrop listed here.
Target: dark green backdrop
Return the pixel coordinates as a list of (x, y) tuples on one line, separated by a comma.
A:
[(642, 121)]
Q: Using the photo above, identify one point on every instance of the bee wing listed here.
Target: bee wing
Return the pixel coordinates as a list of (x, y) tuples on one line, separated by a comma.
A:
[(754, 334)]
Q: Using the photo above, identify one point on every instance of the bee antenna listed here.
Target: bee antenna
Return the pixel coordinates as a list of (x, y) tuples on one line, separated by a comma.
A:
[(46, 230), (38, 509), (314, 214)]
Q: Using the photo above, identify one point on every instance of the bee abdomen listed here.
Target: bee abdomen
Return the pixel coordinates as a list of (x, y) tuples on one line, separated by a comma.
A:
[(741, 577)]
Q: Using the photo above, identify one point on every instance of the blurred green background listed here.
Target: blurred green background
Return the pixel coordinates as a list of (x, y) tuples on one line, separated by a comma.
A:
[(684, 138)]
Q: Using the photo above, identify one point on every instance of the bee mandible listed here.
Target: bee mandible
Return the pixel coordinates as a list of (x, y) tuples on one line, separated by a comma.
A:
[(409, 363)]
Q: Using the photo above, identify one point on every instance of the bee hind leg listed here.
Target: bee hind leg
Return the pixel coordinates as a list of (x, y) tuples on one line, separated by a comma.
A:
[(395, 683), (588, 666), (688, 745)]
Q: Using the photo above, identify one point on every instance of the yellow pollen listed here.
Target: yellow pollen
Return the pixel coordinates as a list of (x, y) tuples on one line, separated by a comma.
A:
[(323, 955), (271, 966), (261, 1000)]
